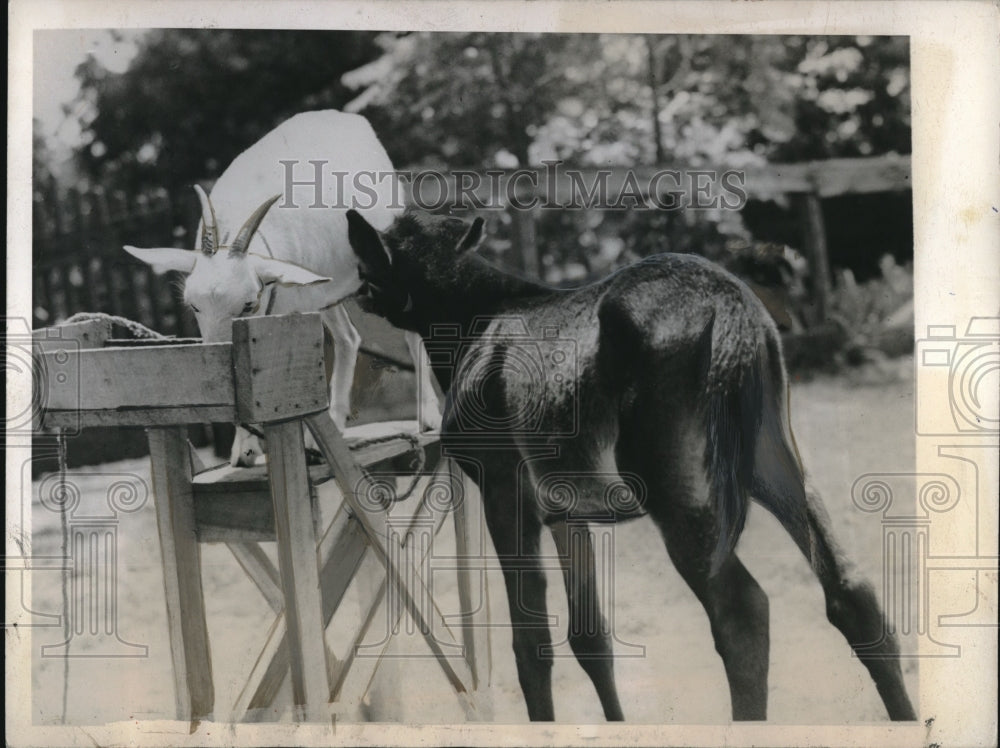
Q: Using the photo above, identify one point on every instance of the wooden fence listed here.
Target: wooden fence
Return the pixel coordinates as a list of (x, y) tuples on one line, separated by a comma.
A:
[(79, 264)]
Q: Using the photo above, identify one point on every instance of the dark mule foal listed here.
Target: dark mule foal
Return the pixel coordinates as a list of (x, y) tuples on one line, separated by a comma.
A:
[(660, 390)]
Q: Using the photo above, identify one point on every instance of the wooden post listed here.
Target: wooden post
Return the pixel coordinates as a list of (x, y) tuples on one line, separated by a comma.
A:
[(85, 249), (278, 371), (340, 551), (819, 261), (293, 524), (525, 241), (171, 472)]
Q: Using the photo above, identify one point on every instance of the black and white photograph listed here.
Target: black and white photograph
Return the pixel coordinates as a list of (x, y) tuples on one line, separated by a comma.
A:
[(476, 374)]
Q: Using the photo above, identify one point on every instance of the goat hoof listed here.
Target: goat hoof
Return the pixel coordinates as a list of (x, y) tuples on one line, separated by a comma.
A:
[(430, 418)]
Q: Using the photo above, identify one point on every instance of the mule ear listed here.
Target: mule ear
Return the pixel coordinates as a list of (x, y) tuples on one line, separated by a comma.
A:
[(270, 270), (375, 260), (165, 259), (473, 237)]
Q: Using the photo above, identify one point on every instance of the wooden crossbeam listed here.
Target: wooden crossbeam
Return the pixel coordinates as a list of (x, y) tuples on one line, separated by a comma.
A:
[(258, 567), (373, 611), (123, 379), (234, 504), (428, 619), (342, 549)]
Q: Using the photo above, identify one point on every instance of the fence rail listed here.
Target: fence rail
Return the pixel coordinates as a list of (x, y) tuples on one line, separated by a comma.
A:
[(561, 185)]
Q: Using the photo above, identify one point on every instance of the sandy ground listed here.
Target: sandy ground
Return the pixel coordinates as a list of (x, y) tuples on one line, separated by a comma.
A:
[(845, 427)]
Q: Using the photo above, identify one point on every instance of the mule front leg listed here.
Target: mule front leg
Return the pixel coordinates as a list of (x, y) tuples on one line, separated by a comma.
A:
[(428, 407), (532, 639), (516, 540)]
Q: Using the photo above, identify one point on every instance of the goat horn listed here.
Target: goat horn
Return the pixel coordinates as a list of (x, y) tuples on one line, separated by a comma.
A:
[(209, 226), (242, 242)]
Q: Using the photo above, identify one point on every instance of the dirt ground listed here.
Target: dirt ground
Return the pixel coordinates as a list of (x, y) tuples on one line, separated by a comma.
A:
[(668, 671)]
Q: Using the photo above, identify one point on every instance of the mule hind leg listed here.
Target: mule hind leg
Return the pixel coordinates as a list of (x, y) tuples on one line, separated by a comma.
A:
[(737, 607), (669, 458), (589, 636), (851, 603)]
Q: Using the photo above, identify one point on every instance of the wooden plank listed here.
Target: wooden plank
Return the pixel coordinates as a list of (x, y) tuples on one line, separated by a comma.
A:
[(259, 568), (189, 649), (428, 619), (84, 335), (858, 176), (351, 691), (225, 479), (141, 417), (150, 342), (278, 367), (297, 549), (129, 378), (472, 591), (341, 552), (233, 504)]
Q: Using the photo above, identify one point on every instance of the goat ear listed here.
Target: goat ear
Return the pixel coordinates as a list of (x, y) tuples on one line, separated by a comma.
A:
[(367, 245), (165, 259), (473, 237), (286, 273)]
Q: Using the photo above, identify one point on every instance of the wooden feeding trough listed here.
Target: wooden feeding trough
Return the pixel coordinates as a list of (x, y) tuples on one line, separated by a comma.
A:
[(272, 374)]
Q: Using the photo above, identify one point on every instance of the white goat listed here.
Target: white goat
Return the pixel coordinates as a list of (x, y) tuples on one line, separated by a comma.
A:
[(296, 255)]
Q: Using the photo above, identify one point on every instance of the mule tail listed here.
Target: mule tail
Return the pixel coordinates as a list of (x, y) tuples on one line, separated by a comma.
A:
[(750, 450)]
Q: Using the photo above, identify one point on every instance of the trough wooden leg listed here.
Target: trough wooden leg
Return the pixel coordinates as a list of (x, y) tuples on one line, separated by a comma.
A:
[(192, 661), (297, 562), (472, 591)]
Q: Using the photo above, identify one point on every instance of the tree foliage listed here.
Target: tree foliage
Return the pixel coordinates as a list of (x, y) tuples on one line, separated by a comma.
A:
[(462, 99), (193, 99)]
